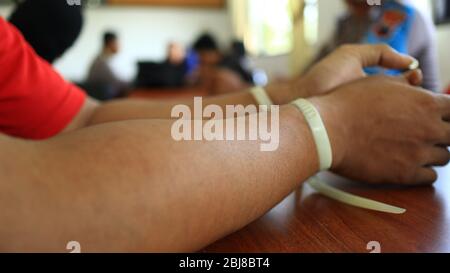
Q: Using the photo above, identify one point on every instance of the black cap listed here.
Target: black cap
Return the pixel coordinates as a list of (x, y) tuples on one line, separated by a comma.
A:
[(50, 26), (205, 42)]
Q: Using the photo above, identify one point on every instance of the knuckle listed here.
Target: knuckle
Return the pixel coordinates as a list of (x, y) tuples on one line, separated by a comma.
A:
[(428, 107), (431, 103), (388, 80), (346, 48), (383, 47), (443, 135), (439, 134), (426, 98), (419, 156), (404, 171), (405, 176)]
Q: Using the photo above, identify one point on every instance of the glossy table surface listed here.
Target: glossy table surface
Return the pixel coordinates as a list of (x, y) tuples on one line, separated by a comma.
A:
[(308, 222)]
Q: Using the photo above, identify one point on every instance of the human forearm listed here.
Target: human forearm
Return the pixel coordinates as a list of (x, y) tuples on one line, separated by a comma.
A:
[(130, 187), (280, 93)]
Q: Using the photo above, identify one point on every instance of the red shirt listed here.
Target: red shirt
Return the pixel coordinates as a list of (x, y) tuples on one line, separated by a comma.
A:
[(35, 101)]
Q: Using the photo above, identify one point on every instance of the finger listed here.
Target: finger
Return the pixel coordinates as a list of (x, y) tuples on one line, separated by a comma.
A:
[(414, 77), (446, 141), (444, 106), (437, 157), (425, 176), (384, 56), (400, 79)]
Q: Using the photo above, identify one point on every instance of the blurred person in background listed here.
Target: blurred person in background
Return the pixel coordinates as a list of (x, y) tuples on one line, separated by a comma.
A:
[(212, 73), (237, 60), (395, 23), (176, 64), (176, 54), (101, 74)]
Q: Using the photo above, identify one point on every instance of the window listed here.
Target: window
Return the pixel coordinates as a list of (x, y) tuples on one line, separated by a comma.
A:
[(269, 30), (311, 21)]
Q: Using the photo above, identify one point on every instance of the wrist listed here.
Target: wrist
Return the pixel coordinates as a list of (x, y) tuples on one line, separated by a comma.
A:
[(280, 93), (286, 92), (335, 126), (303, 138), (303, 87)]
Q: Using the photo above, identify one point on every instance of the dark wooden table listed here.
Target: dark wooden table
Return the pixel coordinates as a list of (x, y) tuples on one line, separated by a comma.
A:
[(308, 222)]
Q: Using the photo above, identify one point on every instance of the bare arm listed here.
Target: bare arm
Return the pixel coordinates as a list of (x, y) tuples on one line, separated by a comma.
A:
[(128, 186), (127, 109), (343, 66)]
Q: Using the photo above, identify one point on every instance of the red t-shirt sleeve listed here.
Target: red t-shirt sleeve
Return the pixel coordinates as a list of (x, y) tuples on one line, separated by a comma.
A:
[(35, 101)]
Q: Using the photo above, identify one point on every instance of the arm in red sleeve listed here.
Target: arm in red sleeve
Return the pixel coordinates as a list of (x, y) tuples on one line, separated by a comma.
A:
[(35, 101)]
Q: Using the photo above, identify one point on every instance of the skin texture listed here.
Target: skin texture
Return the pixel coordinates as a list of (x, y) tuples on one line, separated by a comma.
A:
[(116, 181), (169, 197)]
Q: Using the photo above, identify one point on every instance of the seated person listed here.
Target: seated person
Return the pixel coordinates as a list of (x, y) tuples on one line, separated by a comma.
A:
[(171, 73), (176, 55), (238, 61), (101, 75), (211, 73), (112, 177), (399, 25), (176, 65)]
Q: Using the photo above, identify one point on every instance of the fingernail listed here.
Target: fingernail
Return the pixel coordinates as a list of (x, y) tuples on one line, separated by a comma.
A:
[(414, 65)]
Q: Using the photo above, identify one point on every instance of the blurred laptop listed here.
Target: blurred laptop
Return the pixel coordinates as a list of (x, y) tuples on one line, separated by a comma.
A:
[(160, 75)]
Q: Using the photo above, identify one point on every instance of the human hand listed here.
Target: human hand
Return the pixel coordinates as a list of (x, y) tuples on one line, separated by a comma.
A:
[(383, 130), (347, 63)]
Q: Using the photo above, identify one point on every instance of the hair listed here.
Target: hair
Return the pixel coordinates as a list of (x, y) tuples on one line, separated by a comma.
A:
[(50, 27), (238, 48), (205, 42), (109, 37)]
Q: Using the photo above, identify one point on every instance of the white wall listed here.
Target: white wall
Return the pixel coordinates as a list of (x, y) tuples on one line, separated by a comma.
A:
[(329, 11), (4, 11), (144, 33), (443, 35)]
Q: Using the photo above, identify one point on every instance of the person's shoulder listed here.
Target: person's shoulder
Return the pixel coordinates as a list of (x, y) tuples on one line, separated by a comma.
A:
[(5, 29), (419, 14), (99, 61), (343, 20), (344, 17), (422, 21)]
